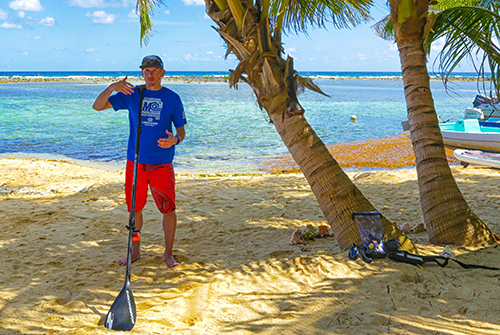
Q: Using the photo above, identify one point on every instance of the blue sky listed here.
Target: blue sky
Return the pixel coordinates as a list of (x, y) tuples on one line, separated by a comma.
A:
[(103, 35)]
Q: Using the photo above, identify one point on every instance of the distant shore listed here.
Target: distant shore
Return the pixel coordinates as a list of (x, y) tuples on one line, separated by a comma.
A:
[(105, 79), (191, 79)]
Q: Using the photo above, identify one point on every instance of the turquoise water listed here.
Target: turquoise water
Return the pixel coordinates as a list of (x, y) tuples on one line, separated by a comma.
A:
[(226, 131)]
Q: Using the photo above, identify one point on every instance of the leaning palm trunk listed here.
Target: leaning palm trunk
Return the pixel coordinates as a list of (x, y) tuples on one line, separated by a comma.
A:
[(446, 214), (275, 84)]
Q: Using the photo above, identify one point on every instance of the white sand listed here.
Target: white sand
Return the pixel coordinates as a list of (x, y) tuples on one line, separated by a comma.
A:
[(63, 231)]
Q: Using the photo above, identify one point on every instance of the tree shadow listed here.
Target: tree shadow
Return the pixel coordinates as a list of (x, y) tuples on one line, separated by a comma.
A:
[(238, 273)]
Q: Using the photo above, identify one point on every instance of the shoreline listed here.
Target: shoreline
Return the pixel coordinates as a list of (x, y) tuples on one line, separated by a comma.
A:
[(386, 153)]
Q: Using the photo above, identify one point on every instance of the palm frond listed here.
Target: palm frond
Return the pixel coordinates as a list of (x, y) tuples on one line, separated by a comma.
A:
[(298, 15), (145, 11), (384, 28), (447, 4), (471, 33)]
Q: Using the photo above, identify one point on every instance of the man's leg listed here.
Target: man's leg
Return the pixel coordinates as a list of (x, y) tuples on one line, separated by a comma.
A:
[(136, 246), (169, 226), (141, 199)]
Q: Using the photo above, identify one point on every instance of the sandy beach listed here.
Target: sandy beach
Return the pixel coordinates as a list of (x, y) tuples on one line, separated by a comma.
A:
[(63, 231)]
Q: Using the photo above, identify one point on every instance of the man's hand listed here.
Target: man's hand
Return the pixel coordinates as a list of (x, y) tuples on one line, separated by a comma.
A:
[(102, 101), (166, 143), (123, 86)]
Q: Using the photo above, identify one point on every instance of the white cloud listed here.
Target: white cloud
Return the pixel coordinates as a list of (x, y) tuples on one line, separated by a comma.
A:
[(21, 14), (7, 25), (438, 45), (101, 17), (24, 53), (101, 3), (90, 50), (189, 57), (3, 14), (361, 56), (47, 21), (194, 2), (88, 3), (27, 5), (37, 38), (133, 14), (292, 49), (167, 12)]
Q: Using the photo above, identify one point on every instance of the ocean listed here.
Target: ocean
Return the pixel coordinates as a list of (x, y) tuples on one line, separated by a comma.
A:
[(226, 130)]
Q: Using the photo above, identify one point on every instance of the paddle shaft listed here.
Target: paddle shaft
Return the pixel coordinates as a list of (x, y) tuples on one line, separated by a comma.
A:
[(122, 314), (131, 224)]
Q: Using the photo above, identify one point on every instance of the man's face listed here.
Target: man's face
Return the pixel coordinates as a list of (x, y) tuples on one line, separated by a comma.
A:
[(152, 76)]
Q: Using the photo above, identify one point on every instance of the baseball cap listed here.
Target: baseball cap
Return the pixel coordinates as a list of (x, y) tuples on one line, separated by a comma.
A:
[(152, 60)]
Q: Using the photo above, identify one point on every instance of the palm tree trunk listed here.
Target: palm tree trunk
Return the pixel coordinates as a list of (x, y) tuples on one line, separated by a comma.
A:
[(448, 218), (337, 195)]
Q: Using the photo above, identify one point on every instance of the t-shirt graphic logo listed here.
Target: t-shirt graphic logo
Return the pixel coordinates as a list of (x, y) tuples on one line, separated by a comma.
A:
[(151, 110)]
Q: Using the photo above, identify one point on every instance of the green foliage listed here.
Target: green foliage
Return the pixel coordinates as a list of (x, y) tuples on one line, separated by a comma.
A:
[(470, 29), (145, 10), (298, 15), (308, 234), (470, 33)]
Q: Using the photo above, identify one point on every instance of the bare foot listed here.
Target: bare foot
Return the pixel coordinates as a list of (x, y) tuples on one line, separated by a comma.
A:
[(123, 262), (136, 254), (171, 262)]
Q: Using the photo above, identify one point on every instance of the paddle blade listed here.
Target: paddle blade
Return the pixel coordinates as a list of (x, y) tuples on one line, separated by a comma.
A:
[(121, 315)]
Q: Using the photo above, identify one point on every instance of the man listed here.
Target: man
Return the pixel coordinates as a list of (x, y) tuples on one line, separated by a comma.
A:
[(161, 108)]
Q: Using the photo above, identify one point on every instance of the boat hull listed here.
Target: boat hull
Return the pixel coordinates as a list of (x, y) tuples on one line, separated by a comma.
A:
[(480, 141), (477, 157), (469, 134)]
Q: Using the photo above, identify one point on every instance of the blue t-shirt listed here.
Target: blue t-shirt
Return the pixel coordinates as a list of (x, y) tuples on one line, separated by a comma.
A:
[(160, 109)]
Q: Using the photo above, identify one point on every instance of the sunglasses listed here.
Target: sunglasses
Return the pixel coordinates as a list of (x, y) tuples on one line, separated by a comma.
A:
[(152, 62)]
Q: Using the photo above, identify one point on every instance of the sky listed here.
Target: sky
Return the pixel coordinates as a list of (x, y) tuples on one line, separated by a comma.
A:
[(104, 35)]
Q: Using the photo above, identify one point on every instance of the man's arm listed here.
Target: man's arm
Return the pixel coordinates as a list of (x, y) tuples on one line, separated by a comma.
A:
[(102, 100), (181, 132)]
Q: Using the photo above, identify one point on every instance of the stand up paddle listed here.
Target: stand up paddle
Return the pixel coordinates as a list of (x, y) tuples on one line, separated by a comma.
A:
[(122, 314)]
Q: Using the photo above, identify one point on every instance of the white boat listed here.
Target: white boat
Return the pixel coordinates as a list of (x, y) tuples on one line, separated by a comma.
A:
[(486, 110), (478, 157), (470, 134)]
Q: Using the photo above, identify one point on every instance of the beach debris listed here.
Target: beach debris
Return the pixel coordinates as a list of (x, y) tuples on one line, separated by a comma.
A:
[(407, 228), (420, 227), (309, 232), (447, 252), (323, 230), (296, 237), (6, 190)]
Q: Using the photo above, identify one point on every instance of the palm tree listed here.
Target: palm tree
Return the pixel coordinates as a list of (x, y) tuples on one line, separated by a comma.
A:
[(253, 33), (446, 214)]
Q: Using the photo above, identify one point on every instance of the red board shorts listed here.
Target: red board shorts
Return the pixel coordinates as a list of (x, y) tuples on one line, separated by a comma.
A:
[(161, 180)]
